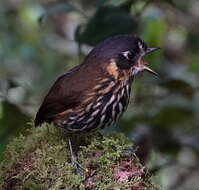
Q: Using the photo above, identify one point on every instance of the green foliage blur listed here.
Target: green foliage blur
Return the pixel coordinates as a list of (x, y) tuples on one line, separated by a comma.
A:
[(39, 40)]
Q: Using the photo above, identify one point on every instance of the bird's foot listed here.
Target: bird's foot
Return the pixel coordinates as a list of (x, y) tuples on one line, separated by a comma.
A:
[(77, 166), (78, 169)]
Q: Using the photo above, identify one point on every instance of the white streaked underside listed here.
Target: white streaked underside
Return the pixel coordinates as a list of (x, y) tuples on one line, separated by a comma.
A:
[(103, 111)]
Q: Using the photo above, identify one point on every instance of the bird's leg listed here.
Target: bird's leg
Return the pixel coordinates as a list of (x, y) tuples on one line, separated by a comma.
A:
[(100, 134), (74, 159)]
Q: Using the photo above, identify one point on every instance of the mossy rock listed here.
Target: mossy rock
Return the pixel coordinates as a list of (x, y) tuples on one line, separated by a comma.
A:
[(41, 161)]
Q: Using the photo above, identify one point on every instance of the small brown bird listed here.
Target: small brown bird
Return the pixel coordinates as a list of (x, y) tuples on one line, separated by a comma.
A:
[(95, 94)]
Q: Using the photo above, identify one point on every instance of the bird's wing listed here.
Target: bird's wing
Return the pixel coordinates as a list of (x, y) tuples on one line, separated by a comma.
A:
[(66, 93)]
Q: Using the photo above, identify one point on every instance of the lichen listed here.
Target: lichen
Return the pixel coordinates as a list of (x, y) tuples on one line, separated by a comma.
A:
[(41, 161)]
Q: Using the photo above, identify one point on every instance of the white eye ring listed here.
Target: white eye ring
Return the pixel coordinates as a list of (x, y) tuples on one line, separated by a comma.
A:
[(140, 45), (125, 54)]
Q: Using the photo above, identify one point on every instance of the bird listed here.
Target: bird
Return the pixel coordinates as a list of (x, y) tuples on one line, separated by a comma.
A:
[(94, 94)]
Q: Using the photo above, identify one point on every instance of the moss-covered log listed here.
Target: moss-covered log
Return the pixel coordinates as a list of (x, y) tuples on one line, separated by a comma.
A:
[(41, 161)]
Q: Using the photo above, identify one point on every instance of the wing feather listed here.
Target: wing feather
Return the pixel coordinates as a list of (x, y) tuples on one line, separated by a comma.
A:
[(67, 92)]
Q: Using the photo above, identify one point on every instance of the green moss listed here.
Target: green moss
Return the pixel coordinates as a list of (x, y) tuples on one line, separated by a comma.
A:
[(41, 161)]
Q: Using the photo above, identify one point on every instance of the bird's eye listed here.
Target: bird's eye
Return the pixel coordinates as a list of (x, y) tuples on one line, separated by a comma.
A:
[(142, 45), (129, 55)]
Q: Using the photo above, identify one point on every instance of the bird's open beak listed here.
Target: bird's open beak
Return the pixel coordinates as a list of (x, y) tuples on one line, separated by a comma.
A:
[(149, 50), (146, 68)]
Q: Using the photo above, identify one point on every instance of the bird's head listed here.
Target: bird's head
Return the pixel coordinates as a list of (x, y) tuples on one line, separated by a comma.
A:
[(126, 51)]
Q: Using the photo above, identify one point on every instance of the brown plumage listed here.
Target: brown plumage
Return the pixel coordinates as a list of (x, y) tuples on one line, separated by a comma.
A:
[(95, 93)]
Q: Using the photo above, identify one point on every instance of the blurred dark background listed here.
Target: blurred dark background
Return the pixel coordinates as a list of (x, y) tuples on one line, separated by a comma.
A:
[(41, 39)]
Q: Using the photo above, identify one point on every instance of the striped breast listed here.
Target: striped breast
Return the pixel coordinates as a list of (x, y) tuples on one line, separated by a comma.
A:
[(102, 107)]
